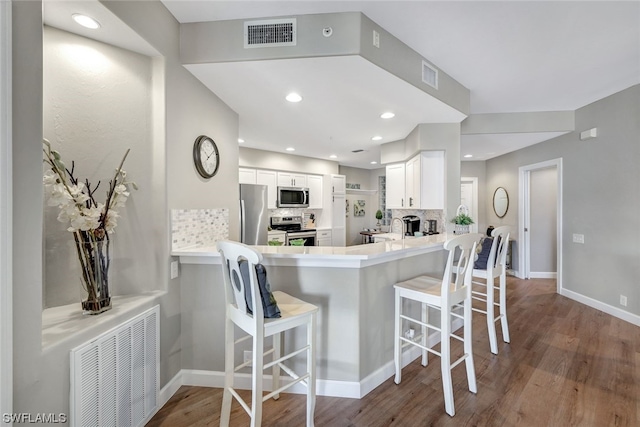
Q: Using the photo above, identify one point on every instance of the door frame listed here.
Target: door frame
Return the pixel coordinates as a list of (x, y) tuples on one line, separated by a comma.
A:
[(524, 218), (473, 209), (6, 208)]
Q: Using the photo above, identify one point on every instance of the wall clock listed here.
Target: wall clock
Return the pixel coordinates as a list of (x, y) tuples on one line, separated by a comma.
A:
[(206, 156)]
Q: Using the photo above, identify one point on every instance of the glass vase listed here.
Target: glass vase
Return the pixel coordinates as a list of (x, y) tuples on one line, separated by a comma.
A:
[(94, 255)]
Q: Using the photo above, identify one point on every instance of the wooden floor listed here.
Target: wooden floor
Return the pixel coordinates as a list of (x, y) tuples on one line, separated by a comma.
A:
[(567, 365)]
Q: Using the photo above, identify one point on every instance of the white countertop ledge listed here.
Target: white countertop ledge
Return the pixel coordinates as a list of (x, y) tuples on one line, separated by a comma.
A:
[(326, 256)]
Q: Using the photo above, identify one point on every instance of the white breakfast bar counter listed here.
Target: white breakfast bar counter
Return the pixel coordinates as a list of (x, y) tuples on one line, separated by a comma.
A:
[(352, 286)]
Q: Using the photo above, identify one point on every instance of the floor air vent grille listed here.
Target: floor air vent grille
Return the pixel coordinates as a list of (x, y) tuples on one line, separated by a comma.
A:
[(271, 33), (114, 377)]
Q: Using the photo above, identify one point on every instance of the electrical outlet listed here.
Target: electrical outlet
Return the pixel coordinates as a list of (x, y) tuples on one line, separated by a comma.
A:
[(248, 356), (376, 38), (578, 238), (174, 269), (623, 300)]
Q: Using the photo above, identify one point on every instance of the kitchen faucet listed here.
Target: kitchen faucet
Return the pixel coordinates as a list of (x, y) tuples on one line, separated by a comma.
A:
[(401, 225)]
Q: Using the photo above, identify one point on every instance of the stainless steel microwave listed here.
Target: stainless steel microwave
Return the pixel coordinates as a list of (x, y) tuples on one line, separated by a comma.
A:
[(293, 197)]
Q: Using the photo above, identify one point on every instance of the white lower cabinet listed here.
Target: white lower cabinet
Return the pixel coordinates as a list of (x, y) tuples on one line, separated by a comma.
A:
[(277, 236), (324, 238)]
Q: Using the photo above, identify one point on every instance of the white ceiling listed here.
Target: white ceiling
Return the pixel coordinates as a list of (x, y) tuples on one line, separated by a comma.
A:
[(513, 56), (340, 112)]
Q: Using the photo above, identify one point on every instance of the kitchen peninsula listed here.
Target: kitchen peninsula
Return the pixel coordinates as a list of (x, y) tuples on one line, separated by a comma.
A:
[(352, 286)]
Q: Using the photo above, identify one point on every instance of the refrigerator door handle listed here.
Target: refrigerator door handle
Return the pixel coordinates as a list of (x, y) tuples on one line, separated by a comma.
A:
[(243, 217)]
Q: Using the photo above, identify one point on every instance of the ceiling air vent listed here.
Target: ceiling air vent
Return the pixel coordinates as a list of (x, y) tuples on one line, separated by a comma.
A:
[(357, 151), (274, 32), (429, 75)]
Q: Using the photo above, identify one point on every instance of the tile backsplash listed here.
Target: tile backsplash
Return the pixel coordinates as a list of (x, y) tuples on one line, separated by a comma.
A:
[(198, 227)]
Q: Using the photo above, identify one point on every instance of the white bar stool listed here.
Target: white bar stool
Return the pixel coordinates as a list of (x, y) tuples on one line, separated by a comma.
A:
[(294, 313), (496, 268), (444, 294)]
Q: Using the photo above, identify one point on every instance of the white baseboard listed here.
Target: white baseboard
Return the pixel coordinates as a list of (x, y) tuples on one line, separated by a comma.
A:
[(609, 309), (332, 388), (543, 275)]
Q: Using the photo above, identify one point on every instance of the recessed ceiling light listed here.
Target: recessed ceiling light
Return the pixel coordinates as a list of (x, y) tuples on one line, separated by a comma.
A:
[(387, 115), (376, 138), (86, 21), (333, 156), (468, 156), (374, 163), (290, 149), (293, 97), (240, 140)]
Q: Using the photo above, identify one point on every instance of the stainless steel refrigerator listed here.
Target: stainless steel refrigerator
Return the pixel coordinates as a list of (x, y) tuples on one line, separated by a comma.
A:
[(254, 214)]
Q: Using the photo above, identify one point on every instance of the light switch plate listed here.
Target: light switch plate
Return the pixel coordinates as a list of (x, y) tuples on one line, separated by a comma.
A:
[(578, 238), (174, 269)]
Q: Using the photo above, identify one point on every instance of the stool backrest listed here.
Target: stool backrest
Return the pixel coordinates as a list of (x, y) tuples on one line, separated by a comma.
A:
[(459, 275), (232, 254), (498, 254)]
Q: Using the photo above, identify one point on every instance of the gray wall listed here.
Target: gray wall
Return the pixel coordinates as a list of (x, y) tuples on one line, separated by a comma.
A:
[(96, 105), (260, 159), (601, 183)]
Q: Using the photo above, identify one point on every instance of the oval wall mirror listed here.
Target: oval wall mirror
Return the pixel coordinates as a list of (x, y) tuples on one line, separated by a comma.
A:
[(500, 202)]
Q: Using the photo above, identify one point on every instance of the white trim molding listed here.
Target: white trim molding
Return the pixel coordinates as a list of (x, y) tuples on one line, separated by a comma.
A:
[(6, 207), (543, 275), (523, 196), (598, 305), (332, 388)]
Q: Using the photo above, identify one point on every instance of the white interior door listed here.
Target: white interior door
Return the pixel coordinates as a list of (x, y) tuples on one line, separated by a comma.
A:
[(527, 227), (469, 198)]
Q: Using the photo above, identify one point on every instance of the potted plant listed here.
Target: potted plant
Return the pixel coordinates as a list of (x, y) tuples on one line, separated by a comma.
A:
[(378, 217), (462, 220)]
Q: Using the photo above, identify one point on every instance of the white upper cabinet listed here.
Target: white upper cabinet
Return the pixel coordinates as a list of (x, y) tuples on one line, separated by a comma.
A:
[(424, 187), (395, 186), (247, 176), (288, 179), (273, 180), (268, 178), (314, 183), (338, 184)]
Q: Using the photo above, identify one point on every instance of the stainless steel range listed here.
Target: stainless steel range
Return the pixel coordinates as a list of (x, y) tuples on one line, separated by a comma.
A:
[(293, 226)]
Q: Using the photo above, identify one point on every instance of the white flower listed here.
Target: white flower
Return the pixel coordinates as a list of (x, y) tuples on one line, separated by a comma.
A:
[(120, 195), (111, 221), (50, 178), (76, 203), (59, 196)]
